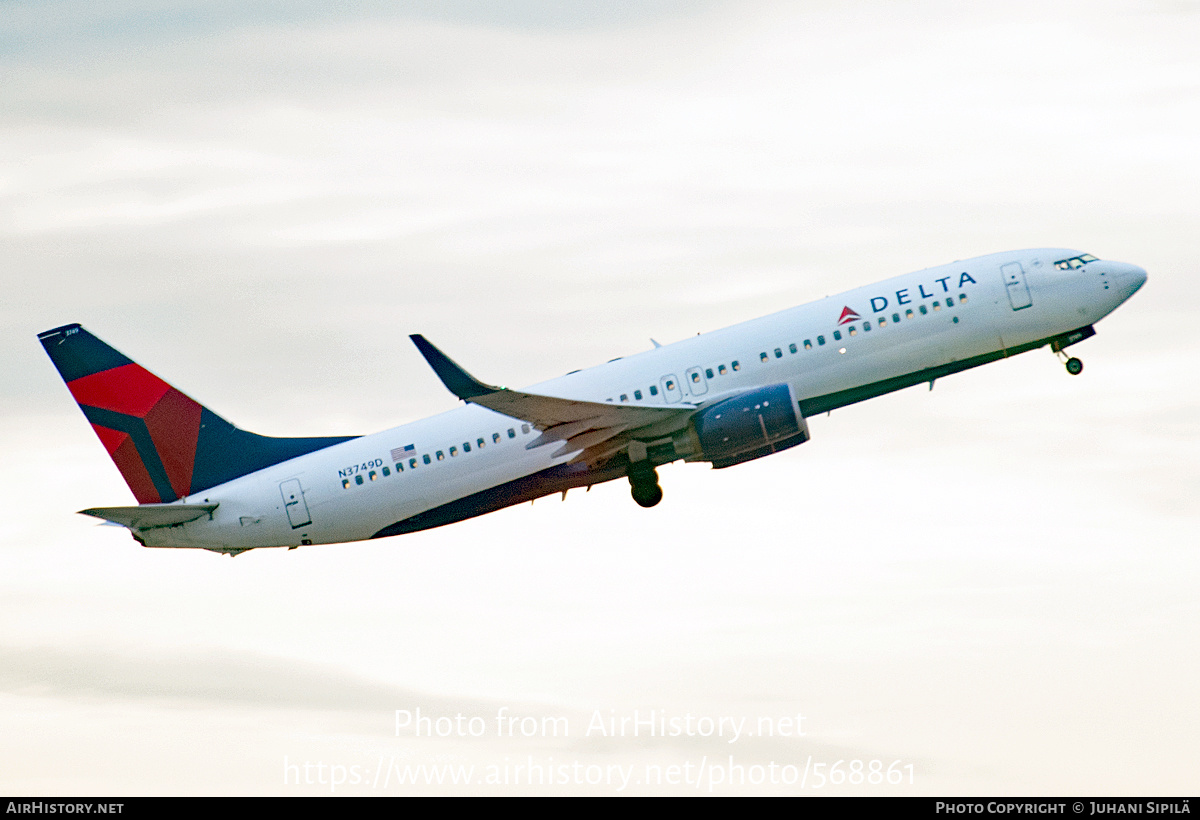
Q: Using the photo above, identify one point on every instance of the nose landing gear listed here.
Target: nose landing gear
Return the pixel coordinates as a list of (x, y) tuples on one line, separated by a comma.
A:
[(643, 484), (1074, 366)]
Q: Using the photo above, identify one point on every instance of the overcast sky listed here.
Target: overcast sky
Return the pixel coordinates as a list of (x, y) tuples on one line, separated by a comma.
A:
[(993, 582)]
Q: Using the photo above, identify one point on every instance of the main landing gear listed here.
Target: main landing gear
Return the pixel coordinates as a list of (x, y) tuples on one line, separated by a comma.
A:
[(643, 484)]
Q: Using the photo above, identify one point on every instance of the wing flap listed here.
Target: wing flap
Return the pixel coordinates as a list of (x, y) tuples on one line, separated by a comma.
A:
[(566, 430), (584, 441)]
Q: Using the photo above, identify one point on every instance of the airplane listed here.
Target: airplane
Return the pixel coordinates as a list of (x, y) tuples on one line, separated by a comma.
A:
[(724, 397)]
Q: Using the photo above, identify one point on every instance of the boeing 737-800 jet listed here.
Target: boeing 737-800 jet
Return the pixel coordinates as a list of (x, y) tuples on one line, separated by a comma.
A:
[(724, 397)]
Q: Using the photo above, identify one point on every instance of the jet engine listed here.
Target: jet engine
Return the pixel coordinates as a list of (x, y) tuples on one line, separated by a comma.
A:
[(744, 427)]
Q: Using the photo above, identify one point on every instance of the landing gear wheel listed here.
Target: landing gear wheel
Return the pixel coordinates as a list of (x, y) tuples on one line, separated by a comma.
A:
[(643, 484), (1074, 366), (646, 495)]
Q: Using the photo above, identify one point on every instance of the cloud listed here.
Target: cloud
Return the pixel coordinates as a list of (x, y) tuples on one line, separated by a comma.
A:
[(215, 677)]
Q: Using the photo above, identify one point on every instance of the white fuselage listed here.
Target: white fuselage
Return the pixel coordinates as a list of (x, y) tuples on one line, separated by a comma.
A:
[(950, 318)]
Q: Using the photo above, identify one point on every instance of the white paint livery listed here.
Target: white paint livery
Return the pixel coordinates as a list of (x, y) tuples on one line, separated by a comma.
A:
[(590, 426)]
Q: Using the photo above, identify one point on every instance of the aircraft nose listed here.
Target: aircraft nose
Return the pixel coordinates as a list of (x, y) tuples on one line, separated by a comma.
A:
[(1131, 278)]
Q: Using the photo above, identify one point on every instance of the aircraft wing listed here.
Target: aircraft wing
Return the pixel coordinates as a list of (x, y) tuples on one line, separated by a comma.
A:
[(595, 429), (149, 516)]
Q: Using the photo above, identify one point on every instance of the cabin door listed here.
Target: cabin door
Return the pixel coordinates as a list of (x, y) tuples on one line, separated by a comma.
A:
[(1015, 284), (293, 502)]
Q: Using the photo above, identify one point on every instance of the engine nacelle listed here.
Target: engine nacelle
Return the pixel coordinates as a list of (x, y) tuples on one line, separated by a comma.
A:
[(745, 427)]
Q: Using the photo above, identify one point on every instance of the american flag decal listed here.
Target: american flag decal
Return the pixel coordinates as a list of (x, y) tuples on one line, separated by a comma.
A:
[(399, 452)]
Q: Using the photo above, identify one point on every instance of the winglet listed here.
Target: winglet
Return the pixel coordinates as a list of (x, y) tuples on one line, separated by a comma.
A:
[(458, 381)]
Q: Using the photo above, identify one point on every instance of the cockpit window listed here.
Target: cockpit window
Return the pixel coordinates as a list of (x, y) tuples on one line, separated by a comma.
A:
[(1075, 262)]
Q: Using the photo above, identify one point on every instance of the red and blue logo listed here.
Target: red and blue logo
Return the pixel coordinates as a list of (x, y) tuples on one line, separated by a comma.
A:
[(848, 315), (166, 445)]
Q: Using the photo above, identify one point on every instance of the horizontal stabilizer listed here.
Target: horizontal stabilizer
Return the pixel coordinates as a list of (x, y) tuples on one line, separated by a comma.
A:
[(149, 516)]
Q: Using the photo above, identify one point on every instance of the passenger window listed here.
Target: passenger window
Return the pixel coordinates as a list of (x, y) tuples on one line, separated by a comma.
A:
[(735, 365), (480, 442), (820, 340), (637, 395), (441, 456), (453, 452), (721, 370), (867, 325), (937, 305), (358, 479), (792, 347), (624, 397), (708, 372), (412, 464), (837, 335), (949, 302), (495, 438), (466, 446), (513, 433), (653, 390), (670, 384), (896, 317), (345, 483), (696, 378), (387, 472), (908, 314), (853, 332), (525, 429), (807, 344), (778, 353), (962, 298), (882, 322), (763, 357), (924, 310), (426, 459), (373, 476)]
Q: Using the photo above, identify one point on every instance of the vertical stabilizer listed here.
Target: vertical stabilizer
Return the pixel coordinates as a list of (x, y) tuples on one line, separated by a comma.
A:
[(166, 445)]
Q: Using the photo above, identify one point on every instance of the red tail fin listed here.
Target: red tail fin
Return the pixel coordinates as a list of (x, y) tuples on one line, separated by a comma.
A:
[(166, 445)]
